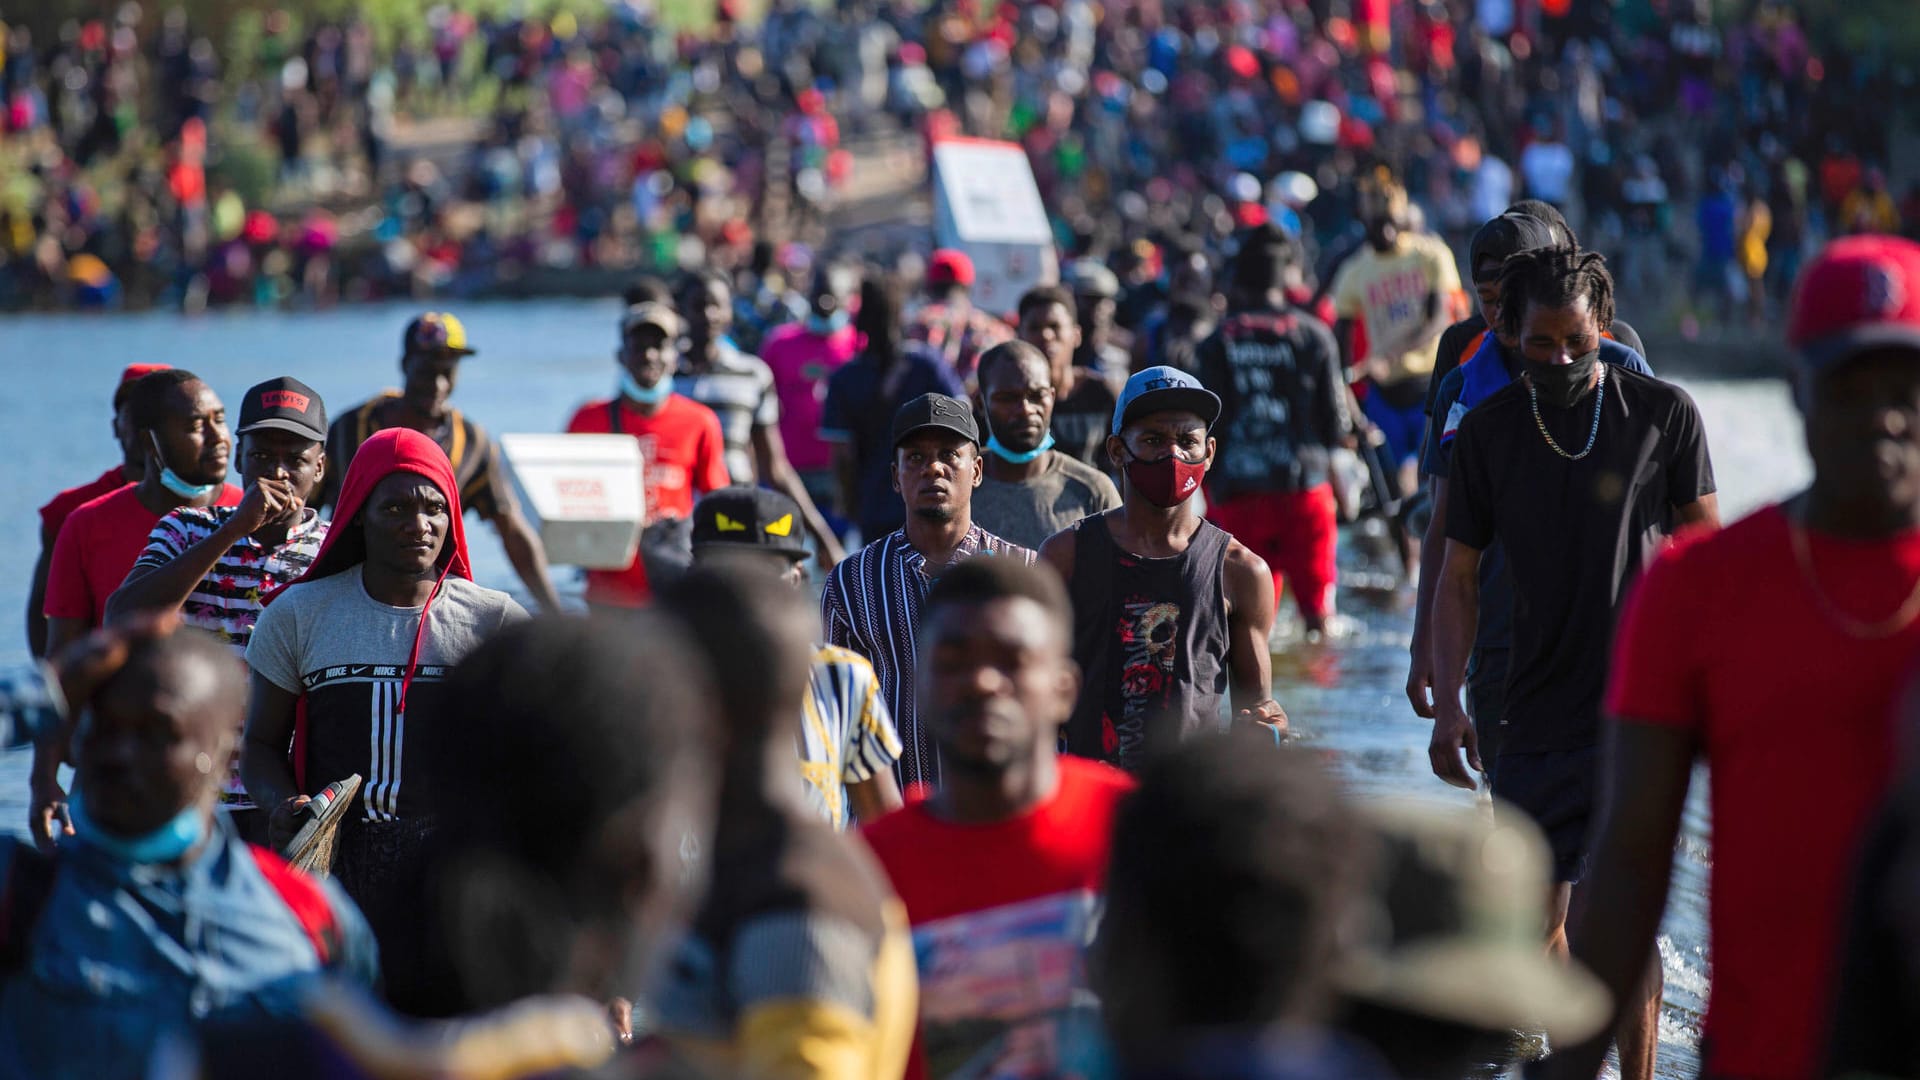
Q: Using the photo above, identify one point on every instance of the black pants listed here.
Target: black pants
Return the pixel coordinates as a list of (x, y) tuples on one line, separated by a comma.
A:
[(381, 866)]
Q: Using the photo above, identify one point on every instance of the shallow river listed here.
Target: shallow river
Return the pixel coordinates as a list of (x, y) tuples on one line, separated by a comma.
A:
[(537, 361)]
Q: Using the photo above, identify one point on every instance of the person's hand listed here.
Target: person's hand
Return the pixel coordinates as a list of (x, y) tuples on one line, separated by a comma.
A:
[(620, 1014), (1420, 684), (284, 822), (1452, 733), (268, 500), (47, 818), (1268, 714), (828, 553)]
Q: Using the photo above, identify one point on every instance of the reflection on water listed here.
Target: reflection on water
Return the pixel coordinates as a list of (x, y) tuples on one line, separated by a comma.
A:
[(538, 361)]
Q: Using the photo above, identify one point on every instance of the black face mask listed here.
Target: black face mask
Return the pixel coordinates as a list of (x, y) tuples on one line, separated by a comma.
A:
[(1562, 384)]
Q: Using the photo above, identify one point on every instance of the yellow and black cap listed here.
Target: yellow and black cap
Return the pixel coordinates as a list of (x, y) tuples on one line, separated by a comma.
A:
[(435, 332), (749, 519)]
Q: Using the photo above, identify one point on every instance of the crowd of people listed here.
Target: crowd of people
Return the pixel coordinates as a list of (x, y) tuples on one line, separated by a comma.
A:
[(156, 162), (1015, 798)]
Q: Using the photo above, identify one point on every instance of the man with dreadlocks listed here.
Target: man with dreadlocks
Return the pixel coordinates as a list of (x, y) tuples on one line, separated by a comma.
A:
[(1579, 470)]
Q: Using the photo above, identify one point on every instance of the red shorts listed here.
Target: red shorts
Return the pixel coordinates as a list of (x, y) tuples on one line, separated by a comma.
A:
[(1296, 533)]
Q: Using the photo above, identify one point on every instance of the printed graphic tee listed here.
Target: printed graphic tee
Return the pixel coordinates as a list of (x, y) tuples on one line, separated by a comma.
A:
[(1002, 915)]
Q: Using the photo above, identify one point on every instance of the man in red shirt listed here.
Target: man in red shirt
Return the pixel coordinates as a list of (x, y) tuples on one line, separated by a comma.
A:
[(1786, 691), (133, 463), (682, 451), (1002, 868), (180, 424)]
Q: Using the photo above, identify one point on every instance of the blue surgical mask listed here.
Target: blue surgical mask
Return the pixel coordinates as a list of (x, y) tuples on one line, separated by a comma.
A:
[(645, 395), (172, 481), (1013, 458), (168, 843), (832, 324)]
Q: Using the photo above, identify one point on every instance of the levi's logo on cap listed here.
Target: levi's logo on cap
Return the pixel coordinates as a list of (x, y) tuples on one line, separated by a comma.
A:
[(285, 399)]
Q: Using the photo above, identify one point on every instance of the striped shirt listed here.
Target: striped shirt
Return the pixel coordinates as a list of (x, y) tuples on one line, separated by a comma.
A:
[(226, 603), (871, 605), (738, 387), (848, 735)]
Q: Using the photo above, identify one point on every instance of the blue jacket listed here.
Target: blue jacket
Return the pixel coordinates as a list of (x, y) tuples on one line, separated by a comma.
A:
[(124, 957)]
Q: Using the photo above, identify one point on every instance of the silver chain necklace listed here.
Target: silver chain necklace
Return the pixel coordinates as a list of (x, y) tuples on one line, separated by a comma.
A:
[(1599, 399)]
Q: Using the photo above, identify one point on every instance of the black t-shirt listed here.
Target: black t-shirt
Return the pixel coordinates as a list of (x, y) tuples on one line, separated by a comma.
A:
[(1283, 401), (1576, 533), (1083, 419)]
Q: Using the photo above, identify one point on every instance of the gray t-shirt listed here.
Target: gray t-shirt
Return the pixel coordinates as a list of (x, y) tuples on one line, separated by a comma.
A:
[(1065, 490), (346, 654)]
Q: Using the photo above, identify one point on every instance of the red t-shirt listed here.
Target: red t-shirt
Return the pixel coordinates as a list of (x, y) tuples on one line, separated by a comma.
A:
[(1725, 638), (682, 456), (98, 544), (1002, 915), (61, 506)]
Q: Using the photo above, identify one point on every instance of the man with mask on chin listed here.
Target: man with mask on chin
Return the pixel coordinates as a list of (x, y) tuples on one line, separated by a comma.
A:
[(182, 426), (682, 452), (156, 920), (1171, 615), (1580, 470), (1031, 490)]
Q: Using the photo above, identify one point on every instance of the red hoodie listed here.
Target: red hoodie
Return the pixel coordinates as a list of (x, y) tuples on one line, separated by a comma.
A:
[(383, 454)]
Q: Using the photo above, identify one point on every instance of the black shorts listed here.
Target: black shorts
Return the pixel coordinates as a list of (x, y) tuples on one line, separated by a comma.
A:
[(1558, 790), (1487, 694)]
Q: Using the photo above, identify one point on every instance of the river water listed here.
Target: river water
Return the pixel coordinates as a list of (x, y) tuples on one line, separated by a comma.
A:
[(538, 361)]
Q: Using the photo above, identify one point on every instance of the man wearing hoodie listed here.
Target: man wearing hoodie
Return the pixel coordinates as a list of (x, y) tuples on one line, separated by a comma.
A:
[(348, 665)]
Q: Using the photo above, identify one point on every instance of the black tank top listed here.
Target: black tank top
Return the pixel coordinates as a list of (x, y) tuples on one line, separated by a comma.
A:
[(1150, 636)]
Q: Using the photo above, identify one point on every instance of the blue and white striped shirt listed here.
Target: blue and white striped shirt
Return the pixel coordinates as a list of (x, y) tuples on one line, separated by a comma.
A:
[(871, 605)]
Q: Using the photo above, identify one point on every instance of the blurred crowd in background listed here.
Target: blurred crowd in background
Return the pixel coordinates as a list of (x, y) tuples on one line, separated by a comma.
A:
[(148, 161)]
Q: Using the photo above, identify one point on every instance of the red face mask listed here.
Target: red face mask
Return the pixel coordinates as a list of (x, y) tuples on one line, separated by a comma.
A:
[(1167, 482)]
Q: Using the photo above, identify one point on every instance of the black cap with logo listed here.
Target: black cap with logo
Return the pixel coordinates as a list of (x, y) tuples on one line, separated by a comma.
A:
[(284, 404), (749, 519), (934, 411)]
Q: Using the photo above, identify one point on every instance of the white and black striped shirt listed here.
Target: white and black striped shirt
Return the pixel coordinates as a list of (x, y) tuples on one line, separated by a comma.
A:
[(872, 606)]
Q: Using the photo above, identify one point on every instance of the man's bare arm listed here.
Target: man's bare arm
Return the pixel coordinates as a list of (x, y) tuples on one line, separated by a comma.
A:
[(1433, 555), (1456, 618), (264, 767), (1250, 613)]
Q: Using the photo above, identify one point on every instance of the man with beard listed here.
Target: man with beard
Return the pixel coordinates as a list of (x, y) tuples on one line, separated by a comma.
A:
[(1170, 614), (1580, 470), (181, 427), (872, 600), (1031, 490), (1002, 868), (1401, 286), (432, 350), (349, 671)]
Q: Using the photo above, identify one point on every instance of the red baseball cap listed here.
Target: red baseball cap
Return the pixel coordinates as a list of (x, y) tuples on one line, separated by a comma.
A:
[(950, 267), (133, 374), (1860, 293)]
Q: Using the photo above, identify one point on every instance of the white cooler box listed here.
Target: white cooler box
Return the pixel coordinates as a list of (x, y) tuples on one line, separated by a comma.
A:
[(583, 493)]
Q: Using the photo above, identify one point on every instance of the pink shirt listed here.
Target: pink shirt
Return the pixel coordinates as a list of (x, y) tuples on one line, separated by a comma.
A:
[(801, 362)]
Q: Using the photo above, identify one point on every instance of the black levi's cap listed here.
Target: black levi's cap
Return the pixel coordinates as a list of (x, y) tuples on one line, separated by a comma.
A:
[(1509, 234), (935, 411), (284, 404), (750, 519)]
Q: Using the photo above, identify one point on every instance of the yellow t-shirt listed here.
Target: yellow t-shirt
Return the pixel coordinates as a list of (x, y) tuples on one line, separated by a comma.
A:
[(1389, 292)]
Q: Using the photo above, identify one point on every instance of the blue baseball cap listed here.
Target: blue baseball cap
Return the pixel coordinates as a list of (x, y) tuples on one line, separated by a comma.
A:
[(1164, 389)]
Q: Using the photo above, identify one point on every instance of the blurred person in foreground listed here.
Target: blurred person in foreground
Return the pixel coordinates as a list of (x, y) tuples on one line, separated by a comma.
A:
[(1170, 614), (350, 665), (580, 809), (847, 742), (798, 962), (1003, 866), (1443, 963), (1706, 668), (156, 919), (130, 470), (1031, 490), (1235, 871), (433, 347)]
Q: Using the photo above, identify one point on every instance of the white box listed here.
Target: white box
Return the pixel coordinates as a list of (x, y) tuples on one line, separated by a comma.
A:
[(583, 493)]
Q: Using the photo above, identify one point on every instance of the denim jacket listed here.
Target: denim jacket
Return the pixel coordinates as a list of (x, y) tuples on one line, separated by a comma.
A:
[(125, 957)]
